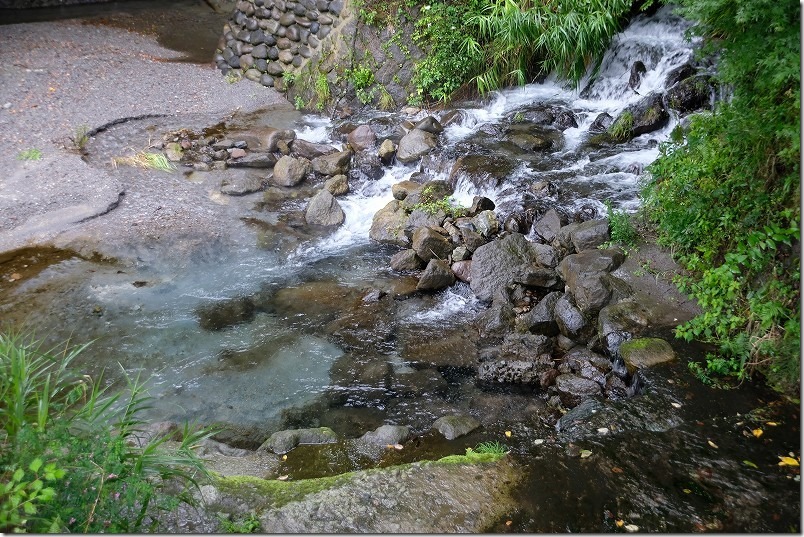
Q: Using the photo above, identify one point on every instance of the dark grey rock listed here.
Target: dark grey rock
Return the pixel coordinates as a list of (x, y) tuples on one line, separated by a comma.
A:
[(455, 426), (437, 275), (324, 210)]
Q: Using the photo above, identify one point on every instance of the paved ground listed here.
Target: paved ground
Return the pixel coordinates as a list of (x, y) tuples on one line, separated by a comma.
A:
[(57, 76)]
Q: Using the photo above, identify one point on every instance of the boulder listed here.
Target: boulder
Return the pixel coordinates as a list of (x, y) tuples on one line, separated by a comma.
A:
[(414, 145), (483, 171), (455, 426), (429, 192), (283, 441), (366, 165), (513, 259), (548, 225), (573, 389), (361, 138), (437, 275), (241, 185), (290, 171), (541, 318), (497, 320), (638, 69), (693, 93), (429, 124), (645, 352), (387, 152), (430, 244), (332, 163), (584, 273), (310, 150), (406, 261), (571, 321), (388, 225), (601, 123), (486, 223), (324, 210), (620, 322), (589, 234), (462, 269), (253, 160), (480, 204), (530, 372), (402, 189), (385, 435), (337, 185)]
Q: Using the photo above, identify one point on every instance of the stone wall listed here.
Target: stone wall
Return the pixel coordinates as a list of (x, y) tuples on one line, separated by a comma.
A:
[(311, 49), (265, 38), (25, 4)]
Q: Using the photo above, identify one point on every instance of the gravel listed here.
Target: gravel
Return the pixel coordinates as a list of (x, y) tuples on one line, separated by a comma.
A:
[(57, 76)]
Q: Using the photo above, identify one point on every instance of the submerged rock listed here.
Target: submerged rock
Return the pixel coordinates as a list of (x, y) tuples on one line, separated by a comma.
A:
[(283, 441), (453, 427)]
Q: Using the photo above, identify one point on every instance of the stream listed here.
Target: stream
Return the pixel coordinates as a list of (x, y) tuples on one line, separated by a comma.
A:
[(272, 325)]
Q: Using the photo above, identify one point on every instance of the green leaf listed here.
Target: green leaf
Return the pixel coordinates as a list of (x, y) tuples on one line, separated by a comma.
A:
[(18, 475), (29, 508), (35, 465)]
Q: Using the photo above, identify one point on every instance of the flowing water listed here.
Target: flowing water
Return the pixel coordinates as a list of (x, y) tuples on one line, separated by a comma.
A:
[(299, 341)]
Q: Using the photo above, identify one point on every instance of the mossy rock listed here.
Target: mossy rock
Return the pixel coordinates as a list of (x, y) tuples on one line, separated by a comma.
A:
[(646, 352)]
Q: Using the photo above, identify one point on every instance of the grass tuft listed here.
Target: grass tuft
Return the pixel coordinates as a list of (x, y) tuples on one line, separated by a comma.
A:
[(146, 160)]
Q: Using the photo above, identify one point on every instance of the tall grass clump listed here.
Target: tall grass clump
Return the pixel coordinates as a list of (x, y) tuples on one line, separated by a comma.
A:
[(726, 197), (73, 458)]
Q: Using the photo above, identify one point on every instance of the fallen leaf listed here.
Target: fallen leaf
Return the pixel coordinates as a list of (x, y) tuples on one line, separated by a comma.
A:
[(389, 446), (712, 444), (757, 432), (617, 470), (750, 464), (508, 434), (538, 442), (14, 277), (631, 528), (675, 405), (771, 423), (283, 477), (787, 461), (509, 522), (284, 457), (687, 491), (398, 447), (585, 453), (603, 430), (619, 523)]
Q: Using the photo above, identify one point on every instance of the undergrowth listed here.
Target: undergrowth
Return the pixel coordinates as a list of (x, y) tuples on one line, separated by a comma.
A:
[(726, 197), (73, 458)]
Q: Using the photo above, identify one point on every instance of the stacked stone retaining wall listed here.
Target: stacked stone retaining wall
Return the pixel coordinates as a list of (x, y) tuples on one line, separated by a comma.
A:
[(266, 38)]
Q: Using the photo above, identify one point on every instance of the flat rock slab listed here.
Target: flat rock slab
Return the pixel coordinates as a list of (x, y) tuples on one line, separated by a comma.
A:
[(453, 427), (421, 498)]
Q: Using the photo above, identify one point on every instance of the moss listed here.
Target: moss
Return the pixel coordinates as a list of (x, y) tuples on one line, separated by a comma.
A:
[(275, 493), (640, 344), (471, 457), (622, 128)]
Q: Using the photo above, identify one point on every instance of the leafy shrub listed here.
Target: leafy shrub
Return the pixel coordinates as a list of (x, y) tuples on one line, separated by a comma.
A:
[(451, 59), (622, 231), (63, 429), (727, 195)]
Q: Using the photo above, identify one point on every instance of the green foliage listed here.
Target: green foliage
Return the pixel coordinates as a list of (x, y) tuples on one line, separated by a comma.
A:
[(491, 447), (323, 94), (441, 205), (520, 39), (298, 102), (289, 77), (146, 160), (29, 154), (622, 129), (622, 231), (247, 524), (727, 196), (452, 57), (80, 138), (21, 496), (87, 446), (362, 78)]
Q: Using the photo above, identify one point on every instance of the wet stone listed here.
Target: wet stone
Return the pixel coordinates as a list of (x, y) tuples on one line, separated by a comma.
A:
[(455, 426)]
